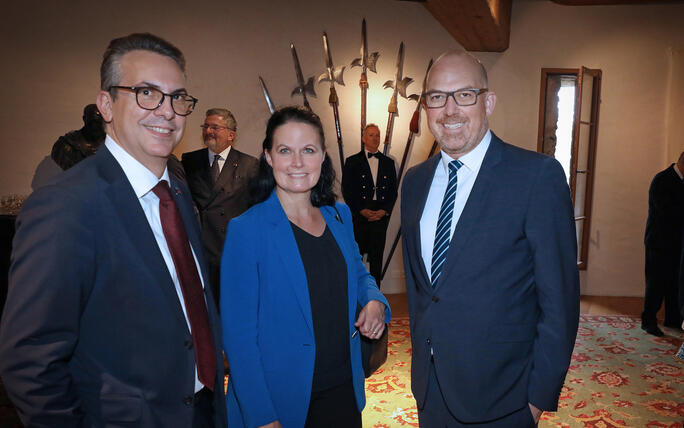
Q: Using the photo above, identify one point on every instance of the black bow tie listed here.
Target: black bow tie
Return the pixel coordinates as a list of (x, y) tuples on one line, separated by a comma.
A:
[(376, 154)]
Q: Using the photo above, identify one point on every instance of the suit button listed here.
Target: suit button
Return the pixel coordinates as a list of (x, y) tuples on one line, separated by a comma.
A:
[(188, 343), (188, 400), (435, 299), (363, 175), (363, 187), (363, 197), (428, 341)]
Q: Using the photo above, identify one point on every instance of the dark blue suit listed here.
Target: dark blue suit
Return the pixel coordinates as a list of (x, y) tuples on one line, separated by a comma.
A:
[(503, 318), (93, 333), (266, 313)]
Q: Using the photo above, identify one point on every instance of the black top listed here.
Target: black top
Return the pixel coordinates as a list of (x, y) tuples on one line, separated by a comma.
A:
[(326, 274)]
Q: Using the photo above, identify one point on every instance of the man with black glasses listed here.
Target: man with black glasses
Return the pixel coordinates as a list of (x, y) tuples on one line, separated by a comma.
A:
[(491, 265), (108, 320), (218, 177)]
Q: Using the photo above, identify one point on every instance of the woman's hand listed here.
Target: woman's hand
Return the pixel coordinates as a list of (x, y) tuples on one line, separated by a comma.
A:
[(274, 424), (371, 321)]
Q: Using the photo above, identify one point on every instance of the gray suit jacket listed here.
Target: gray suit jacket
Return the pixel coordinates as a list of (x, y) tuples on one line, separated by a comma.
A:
[(220, 202)]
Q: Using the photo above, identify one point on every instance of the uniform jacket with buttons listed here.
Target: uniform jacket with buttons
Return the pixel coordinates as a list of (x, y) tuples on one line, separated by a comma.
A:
[(357, 183), (217, 204)]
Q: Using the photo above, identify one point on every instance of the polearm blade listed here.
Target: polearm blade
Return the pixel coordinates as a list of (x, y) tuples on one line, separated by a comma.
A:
[(332, 75), (269, 102), (399, 85), (413, 125), (302, 88), (366, 62), (413, 130)]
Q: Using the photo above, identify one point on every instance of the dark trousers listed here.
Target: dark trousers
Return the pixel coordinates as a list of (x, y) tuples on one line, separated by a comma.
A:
[(334, 408), (662, 283), (203, 415), (370, 236), (435, 413)]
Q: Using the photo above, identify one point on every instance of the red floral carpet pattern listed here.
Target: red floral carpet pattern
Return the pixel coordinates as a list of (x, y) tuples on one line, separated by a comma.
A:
[(619, 377)]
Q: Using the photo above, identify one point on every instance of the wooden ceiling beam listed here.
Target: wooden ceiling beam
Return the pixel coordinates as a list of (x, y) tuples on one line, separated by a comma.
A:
[(478, 25), (611, 2)]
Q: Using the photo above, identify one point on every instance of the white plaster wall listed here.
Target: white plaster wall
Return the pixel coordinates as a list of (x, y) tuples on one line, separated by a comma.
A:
[(631, 45), (51, 53)]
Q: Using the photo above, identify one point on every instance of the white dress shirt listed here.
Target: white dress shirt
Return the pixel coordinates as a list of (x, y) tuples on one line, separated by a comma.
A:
[(373, 162), (466, 179), (221, 160), (143, 180)]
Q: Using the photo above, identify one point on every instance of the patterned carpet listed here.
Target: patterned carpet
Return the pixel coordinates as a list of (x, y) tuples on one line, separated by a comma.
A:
[(619, 377)]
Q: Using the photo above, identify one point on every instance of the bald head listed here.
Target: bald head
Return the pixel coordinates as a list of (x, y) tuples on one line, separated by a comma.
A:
[(461, 60)]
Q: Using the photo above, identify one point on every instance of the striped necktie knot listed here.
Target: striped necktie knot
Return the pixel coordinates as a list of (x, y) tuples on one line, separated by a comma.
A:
[(443, 230)]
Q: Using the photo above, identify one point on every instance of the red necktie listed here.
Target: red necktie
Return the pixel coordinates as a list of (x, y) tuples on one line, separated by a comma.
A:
[(191, 286)]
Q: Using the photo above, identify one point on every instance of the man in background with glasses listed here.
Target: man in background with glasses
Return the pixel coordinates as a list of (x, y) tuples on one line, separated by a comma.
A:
[(490, 260), (219, 177), (108, 321)]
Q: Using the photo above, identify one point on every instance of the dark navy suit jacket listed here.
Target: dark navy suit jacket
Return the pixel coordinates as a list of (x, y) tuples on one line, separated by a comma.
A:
[(503, 318), (93, 333)]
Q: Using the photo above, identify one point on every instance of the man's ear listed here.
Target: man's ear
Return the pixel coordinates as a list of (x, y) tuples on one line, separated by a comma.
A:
[(490, 102), (104, 104)]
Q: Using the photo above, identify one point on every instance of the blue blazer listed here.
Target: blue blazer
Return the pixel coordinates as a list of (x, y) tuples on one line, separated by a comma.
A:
[(93, 333), (266, 313), (503, 317)]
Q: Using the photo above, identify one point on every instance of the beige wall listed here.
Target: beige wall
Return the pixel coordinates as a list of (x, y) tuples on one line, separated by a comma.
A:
[(51, 54), (631, 44)]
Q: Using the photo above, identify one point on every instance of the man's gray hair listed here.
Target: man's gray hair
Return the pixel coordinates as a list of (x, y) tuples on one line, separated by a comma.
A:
[(110, 69), (227, 116), (370, 125)]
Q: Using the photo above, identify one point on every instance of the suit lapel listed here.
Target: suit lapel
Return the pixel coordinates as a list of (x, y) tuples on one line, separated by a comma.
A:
[(125, 205), (181, 195), (226, 178), (423, 178), (287, 249), (474, 207)]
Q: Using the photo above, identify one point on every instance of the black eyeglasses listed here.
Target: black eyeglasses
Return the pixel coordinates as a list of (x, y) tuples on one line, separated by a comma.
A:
[(149, 98), (214, 128), (462, 97)]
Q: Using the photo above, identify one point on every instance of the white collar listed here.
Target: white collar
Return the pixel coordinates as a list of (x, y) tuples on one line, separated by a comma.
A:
[(473, 159), (223, 154), (141, 178)]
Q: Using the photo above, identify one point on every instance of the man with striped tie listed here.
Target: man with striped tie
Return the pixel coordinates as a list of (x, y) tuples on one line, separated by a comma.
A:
[(490, 262)]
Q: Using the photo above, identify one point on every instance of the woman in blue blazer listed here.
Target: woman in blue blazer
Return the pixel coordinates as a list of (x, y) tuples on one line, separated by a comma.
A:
[(291, 279)]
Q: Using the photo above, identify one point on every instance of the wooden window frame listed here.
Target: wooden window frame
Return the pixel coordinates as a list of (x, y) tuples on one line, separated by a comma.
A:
[(592, 124)]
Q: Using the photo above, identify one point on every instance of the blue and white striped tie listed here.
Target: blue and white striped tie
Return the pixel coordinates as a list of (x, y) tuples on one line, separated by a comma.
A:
[(443, 232)]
